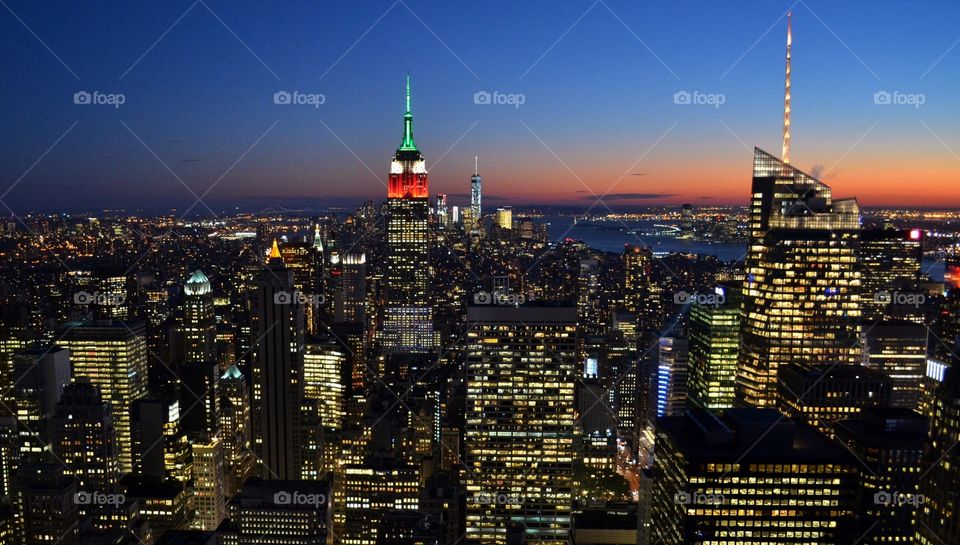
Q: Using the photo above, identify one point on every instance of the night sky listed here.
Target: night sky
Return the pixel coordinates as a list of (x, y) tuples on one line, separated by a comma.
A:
[(597, 81)]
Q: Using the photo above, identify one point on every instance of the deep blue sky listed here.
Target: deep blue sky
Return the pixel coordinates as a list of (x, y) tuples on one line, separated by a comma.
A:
[(597, 98)]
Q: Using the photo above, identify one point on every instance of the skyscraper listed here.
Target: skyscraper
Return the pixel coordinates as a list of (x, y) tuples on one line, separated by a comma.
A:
[(278, 331), (198, 328), (350, 303), (801, 298), (442, 211), (890, 260), (899, 350), (505, 217), (639, 292), (208, 482), (408, 316), (86, 442), (820, 395), (160, 447), (325, 373), (890, 444), (750, 476), (714, 344), (114, 355), (938, 519), (671, 398), (521, 366), (235, 428), (476, 196)]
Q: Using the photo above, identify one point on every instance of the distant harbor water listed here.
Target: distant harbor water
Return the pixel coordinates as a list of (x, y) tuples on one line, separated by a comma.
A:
[(610, 236)]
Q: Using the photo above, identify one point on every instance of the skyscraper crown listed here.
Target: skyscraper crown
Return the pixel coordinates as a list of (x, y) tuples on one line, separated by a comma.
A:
[(407, 144)]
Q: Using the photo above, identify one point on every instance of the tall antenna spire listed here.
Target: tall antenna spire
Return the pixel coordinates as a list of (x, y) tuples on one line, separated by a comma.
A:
[(785, 156), (476, 165), (408, 91), (407, 144)]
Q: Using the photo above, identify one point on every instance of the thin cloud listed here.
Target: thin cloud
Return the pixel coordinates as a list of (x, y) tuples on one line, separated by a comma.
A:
[(630, 196)]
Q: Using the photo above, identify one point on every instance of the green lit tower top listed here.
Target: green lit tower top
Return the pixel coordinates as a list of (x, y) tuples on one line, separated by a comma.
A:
[(407, 144)]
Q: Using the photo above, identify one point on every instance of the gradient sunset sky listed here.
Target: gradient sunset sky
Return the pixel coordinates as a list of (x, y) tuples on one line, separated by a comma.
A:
[(598, 80)]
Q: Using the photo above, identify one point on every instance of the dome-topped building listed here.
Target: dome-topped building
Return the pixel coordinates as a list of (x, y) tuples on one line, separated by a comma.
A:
[(198, 284)]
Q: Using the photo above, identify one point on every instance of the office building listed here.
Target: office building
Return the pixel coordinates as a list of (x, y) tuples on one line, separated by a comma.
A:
[(750, 476), (671, 398), (890, 444), (714, 331), (801, 299), (898, 349), (820, 395), (504, 217), (277, 370), (198, 327), (521, 366), (208, 482), (278, 513), (938, 518), (325, 368), (235, 429), (890, 262), (113, 354)]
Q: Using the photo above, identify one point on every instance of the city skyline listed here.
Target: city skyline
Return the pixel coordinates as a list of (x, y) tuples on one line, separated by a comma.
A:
[(575, 325), (599, 77)]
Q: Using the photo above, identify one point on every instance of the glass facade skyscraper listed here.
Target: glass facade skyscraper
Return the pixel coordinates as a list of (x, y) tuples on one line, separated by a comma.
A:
[(801, 297)]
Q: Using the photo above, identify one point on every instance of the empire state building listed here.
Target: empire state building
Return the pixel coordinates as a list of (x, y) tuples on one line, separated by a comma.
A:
[(408, 317)]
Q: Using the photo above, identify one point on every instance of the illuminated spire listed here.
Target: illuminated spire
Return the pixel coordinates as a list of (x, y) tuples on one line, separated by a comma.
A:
[(275, 251), (785, 156), (408, 144), (476, 165)]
